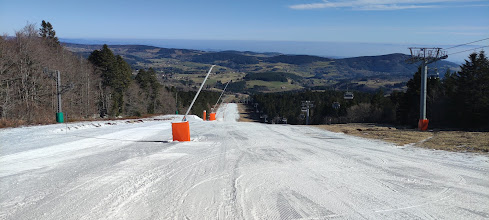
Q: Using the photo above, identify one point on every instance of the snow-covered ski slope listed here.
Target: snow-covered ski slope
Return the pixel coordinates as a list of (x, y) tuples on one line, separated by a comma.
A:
[(230, 170)]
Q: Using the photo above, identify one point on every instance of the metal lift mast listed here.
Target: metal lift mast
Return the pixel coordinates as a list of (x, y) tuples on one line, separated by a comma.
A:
[(426, 56)]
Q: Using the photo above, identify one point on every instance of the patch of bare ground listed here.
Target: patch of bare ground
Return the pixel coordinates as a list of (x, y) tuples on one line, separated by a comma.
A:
[(244, 113), (459, 141)]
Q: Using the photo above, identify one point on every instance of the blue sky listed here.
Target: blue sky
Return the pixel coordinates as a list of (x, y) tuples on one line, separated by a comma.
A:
[(410, 22)]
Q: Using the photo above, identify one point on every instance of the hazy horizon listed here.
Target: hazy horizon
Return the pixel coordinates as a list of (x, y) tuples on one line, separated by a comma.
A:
[(333, 28), (316, 48)]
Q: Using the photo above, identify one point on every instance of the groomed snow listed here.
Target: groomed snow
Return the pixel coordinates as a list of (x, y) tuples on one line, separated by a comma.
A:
[(132, 170), (227, 113)]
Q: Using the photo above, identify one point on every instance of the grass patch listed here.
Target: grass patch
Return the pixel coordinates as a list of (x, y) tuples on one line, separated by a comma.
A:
[(274, 86), (457, 141), (11, 123), (385, 133), (460, 141), (244, 113), (213, 78)]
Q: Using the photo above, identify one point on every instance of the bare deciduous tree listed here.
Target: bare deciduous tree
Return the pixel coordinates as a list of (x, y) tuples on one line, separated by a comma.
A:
[(28, 92)]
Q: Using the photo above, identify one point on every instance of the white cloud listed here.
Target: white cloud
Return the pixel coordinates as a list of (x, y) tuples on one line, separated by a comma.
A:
[(392, 7), (452, 33), (378, 5)]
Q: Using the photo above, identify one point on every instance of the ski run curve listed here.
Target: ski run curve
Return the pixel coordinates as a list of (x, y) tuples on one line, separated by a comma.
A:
[(230, 170)]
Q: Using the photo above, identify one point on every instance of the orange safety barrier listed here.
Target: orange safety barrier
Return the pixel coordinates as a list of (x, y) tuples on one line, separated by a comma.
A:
[(212, 116), (423, 124), (205, 115), (180, 131)]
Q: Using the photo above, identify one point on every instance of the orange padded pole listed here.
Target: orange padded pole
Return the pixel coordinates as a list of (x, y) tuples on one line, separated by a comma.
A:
[(423, 124), (180, 131)]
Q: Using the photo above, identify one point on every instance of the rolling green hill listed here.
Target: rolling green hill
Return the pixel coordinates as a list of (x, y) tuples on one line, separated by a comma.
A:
[(394, 64), (295, 59), (269, 71)]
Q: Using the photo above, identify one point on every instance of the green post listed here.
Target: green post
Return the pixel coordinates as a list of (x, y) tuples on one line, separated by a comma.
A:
[(59, 117), (59, 113)]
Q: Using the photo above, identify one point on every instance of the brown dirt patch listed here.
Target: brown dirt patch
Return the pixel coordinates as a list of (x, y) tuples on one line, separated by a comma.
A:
[(244, 113), (459, 141)]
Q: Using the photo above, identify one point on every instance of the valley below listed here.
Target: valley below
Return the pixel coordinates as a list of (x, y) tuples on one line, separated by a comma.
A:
[(272, 72)]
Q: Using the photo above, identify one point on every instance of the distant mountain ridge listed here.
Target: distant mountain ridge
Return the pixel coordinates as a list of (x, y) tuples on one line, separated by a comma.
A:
[(296, 59), (395, 64), (309, 71)]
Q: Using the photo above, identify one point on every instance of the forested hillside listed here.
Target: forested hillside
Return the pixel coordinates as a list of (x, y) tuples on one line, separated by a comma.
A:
[(28, 90), (394, 64), (184, 68), (459, 100), (295, 59), (101, 86), (272, 76), (114, 81)]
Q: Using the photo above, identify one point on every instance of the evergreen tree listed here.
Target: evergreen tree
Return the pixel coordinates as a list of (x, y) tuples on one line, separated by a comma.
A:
[(47, 31), (141, 79), (148, 82), (407, 111), (104, 59), (469, 91), (122, 75), (115, 73)]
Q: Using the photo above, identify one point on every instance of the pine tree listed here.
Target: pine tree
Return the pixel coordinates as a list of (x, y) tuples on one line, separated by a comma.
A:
[(115, 73), (47, 31), (469, 91), (122, 75), (407, 111), (148, 82), (141, 78), (104, 59)]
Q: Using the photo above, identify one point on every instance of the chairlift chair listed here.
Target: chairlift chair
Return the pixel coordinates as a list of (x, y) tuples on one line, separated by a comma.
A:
[(348, 95), (336, 105), (436, 74)]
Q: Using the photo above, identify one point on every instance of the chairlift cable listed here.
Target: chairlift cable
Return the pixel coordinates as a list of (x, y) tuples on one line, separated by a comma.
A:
[(467, 43), (468, 50)]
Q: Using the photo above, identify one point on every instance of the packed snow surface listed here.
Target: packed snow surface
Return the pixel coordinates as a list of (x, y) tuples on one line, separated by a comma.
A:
[(132, 170)]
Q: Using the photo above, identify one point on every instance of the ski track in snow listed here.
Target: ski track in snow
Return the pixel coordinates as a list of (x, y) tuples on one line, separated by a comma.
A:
[(230, 170)]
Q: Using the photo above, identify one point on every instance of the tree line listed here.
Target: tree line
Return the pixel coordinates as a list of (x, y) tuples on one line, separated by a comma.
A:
[(27, 86), (329, 107), (460, 100), (101, 86), (232, 58), (272, 76), (125, 94)]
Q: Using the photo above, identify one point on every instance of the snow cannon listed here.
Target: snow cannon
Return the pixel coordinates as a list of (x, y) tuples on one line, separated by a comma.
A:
[(212, 116), (180, 131)]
